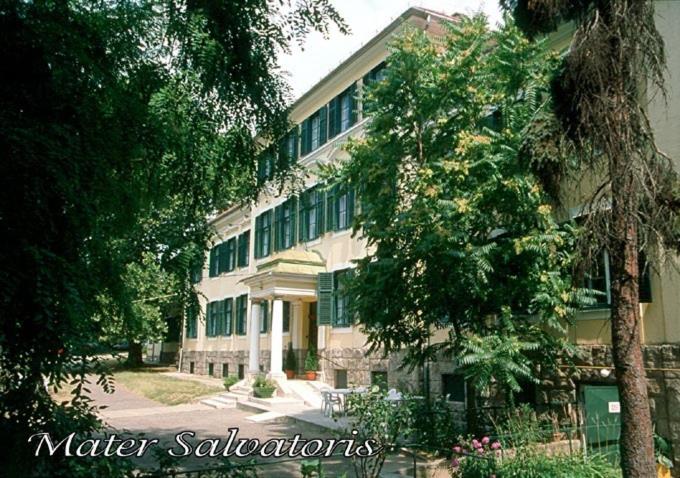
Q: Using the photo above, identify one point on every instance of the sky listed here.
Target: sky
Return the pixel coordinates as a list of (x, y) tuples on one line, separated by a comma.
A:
[(365, 19)]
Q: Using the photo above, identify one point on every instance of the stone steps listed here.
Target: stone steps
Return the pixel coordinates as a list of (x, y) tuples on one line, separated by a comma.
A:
[(268, 417), (219, 401)]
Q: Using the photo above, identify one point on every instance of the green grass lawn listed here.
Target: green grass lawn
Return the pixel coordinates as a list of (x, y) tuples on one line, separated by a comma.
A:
[(167, 390)]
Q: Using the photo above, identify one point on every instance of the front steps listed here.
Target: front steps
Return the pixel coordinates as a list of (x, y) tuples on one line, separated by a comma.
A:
[(219, 401), (298, 394)]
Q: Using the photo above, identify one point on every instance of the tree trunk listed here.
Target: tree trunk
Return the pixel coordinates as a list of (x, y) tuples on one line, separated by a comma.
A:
[(135, 355), (471, 412), (637, 449)]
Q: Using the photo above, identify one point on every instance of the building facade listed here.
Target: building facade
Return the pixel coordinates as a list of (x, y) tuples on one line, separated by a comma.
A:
[(274, 276)]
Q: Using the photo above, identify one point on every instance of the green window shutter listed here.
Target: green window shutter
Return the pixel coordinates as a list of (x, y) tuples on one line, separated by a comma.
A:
[(243, 249), (228, 316), (278, 230), (320, 210), (210, 320), (296, 139), (323, 125), (224, 257), (325, 298), (212, 271), (302, 224), (220, 318), (354, 104), (305, 137), (232, 254), (293, 219), (333, 123), (330, 207), (258, 237)]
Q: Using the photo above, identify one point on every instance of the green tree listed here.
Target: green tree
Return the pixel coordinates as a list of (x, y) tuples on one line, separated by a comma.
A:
[(615, 60), (150, 294), (123, 126), (461, 237)]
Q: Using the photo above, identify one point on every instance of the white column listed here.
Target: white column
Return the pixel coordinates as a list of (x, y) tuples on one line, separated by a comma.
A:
[(254, 333), (276, 341), (295, 323)]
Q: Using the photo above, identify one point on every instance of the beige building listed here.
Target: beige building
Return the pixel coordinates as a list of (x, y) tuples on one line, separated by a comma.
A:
[(273, 278)]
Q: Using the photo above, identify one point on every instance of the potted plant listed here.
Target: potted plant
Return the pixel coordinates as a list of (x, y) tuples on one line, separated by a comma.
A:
[(291, 362), (311, 363), (230, 381), (263, 388)]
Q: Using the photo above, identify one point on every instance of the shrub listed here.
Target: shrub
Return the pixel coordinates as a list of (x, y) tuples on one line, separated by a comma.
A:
[(387, 424), (483, 459), (311, 361), (291, 360), (263, 388), (230, 381), (434, 427)]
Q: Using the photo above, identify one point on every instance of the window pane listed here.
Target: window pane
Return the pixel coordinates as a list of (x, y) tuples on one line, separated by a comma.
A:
[(453, 387), (345, 112), (315, 131)]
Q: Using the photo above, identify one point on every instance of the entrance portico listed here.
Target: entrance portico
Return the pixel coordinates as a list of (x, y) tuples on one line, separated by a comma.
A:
[(288, 276)]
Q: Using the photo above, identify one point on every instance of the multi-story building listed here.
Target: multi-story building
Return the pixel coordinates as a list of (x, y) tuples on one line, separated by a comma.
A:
[(272, 279)]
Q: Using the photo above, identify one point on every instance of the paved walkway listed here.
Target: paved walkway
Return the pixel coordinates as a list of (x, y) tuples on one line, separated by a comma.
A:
[(128, 414)]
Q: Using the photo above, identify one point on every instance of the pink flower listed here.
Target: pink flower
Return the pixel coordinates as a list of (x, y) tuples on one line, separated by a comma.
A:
[(455, 463), (480, 451), (495, 445), (485, 441), (475, 443), (457, 449)]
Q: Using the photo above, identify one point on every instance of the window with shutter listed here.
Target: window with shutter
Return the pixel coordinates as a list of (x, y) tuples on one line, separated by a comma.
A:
[(341, 314), (219, 329), (311, 209), (305, 137), (315, 131), (323, 125), (211, 319), (241, 314), (231, 254), (196, 273), (263, 233), (213, 270), (288, 149), (285, 224), (277, 227), (243, 249), (192, 321), (228, 316), (334, 117), (325, 298)]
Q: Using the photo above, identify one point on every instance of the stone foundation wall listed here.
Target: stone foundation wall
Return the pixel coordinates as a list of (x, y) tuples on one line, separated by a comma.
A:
[(662, 363)]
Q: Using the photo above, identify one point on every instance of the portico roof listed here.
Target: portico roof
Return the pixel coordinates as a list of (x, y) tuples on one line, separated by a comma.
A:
[(288, 274)]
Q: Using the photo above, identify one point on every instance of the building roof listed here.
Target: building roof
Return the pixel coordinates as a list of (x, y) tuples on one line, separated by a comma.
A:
[(410, 12)]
